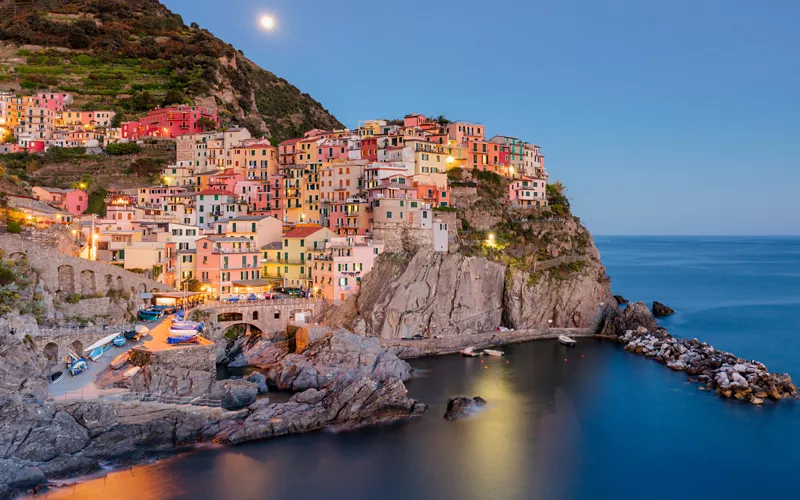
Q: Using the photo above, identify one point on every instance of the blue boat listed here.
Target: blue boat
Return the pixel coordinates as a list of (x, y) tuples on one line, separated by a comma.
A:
[(119, 341), (187, 325), (182, 337), (147, 315), (96, 353), (78, 366)]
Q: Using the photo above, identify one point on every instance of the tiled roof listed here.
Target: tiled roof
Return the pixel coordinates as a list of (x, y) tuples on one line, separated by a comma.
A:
[(302, 232)]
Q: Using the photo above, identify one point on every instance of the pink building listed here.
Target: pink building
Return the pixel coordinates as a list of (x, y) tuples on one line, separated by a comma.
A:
[(74, 201), (155, 196), (349, 218), (169, 122), (338, 275), (528, 192), (332, 149), (226, 181), (55, 101), (252, 193), (225, 263)]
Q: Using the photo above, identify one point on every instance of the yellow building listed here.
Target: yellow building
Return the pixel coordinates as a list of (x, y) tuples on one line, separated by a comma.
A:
[(294, 259), (429, 158), (306, 151)]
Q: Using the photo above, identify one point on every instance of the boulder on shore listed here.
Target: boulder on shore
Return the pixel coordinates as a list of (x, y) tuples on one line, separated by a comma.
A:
[(660, 310), (235, 394), (461, 406), (260, 380), (635, 317)]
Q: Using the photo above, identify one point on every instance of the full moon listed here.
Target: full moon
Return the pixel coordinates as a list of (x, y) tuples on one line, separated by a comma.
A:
[(267, 22)]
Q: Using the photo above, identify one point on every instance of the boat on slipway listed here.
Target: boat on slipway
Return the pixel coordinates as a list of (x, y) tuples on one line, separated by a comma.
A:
[(469, 352)]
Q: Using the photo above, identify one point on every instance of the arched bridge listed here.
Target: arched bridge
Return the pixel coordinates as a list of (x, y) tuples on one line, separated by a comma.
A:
[(266, 315)]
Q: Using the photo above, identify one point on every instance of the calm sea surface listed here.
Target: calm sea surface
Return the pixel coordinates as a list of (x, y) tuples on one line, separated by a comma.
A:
[(590, 422)]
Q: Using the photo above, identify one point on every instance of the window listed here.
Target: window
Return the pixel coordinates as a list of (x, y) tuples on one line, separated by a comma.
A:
[(388, 215)]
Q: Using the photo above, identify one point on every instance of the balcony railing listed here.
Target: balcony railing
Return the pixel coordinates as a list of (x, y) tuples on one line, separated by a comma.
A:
[(235, 250)]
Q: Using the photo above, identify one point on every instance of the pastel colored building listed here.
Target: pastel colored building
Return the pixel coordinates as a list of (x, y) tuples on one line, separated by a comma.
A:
[(526, 191), (215, 205), (337, 274), (172, 121), (73, 201), (294, 260), (255, 160), (225, 262), (55, 101)]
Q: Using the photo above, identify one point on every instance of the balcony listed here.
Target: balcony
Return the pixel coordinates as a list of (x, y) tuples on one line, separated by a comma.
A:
[(234, 250)]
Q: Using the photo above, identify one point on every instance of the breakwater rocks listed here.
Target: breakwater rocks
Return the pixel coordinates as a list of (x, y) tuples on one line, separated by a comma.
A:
[(718, 371), (460, 407)]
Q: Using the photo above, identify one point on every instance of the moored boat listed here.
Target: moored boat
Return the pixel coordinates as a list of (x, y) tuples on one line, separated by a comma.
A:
[(78, 367), (567, 341), (131, 372), (96, 353), (187, 325), (493, 352), (182, 337), (120, 361), (119, 341), (469, 351), (56, 377), (130, 334)]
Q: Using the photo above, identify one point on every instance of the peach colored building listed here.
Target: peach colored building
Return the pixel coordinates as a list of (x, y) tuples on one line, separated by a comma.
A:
[(226, 262)]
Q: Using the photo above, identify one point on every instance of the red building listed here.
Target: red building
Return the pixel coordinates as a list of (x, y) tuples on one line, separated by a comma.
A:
[(369, 148), (169, 122)]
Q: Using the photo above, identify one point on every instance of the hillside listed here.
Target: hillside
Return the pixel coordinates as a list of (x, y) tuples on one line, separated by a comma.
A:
[(131, 55)]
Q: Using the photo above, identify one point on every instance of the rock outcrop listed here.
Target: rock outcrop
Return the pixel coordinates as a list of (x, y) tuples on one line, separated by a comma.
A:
[(577, 301), (460, 407), (21, 375), (633, 317), (621, 301), (38, 441), (660, 310), (342, 355), (446, 294)]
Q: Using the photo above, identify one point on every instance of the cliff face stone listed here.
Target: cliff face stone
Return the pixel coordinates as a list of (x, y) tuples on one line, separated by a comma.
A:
[(43, 440), (20, 374), (449, 294), (635, 316), (576, 301), (341, 356)]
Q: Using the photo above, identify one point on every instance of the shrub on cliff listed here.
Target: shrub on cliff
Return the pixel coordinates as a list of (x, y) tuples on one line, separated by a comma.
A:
[(14, 227), (123, 148)]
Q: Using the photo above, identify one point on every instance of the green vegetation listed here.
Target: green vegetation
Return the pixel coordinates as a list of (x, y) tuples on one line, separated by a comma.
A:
[(191, 285), (72, 298), (14, 227), (135, 55), (123, 148), (559, 203)]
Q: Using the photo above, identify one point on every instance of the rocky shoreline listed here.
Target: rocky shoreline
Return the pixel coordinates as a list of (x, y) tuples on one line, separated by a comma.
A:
[(721, 372)]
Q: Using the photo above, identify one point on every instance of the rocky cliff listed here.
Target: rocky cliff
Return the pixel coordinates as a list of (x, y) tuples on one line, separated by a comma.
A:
[(454, 294), (41, 439)]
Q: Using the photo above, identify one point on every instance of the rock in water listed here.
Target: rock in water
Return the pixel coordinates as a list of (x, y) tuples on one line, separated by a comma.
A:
[(660, 310), (634, 317), (460, 407), (235, 394), (260, 380), (620, 300)]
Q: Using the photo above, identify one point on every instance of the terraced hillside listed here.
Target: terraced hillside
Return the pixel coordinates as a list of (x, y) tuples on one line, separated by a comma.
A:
[(131, 55)]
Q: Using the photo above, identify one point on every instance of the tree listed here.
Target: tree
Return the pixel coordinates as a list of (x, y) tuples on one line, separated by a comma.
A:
[(116, 122), (173, 97), (206, 124), (192, 285), (559, 203), (442, 120), (77, 38)]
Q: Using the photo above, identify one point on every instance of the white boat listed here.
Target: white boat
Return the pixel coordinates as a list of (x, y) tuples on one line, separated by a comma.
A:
[(133, 371), (568, 341), (493, 352), (102, 342), (141, 330), (469, 351)]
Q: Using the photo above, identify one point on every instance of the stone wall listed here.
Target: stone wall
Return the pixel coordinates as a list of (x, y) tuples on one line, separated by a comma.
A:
[(179, 371), (64, 275), (402, 237), (462, 196)]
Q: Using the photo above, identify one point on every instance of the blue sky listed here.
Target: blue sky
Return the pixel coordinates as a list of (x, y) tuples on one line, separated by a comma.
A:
[(661, 117)]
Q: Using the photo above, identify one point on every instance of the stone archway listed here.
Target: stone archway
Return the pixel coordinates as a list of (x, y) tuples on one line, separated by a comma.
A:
[(109, 283), (233, 332), (66, 279), (120, 284), (18, 257), (51, 351), (230, 316), (77, 347)]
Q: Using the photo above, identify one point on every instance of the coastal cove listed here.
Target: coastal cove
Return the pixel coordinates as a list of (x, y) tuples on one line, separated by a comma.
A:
[(604, 423)]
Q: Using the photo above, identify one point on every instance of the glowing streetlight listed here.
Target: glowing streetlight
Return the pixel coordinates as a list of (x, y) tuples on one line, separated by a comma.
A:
[(82, 185), (267, 22), (450, 160)]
